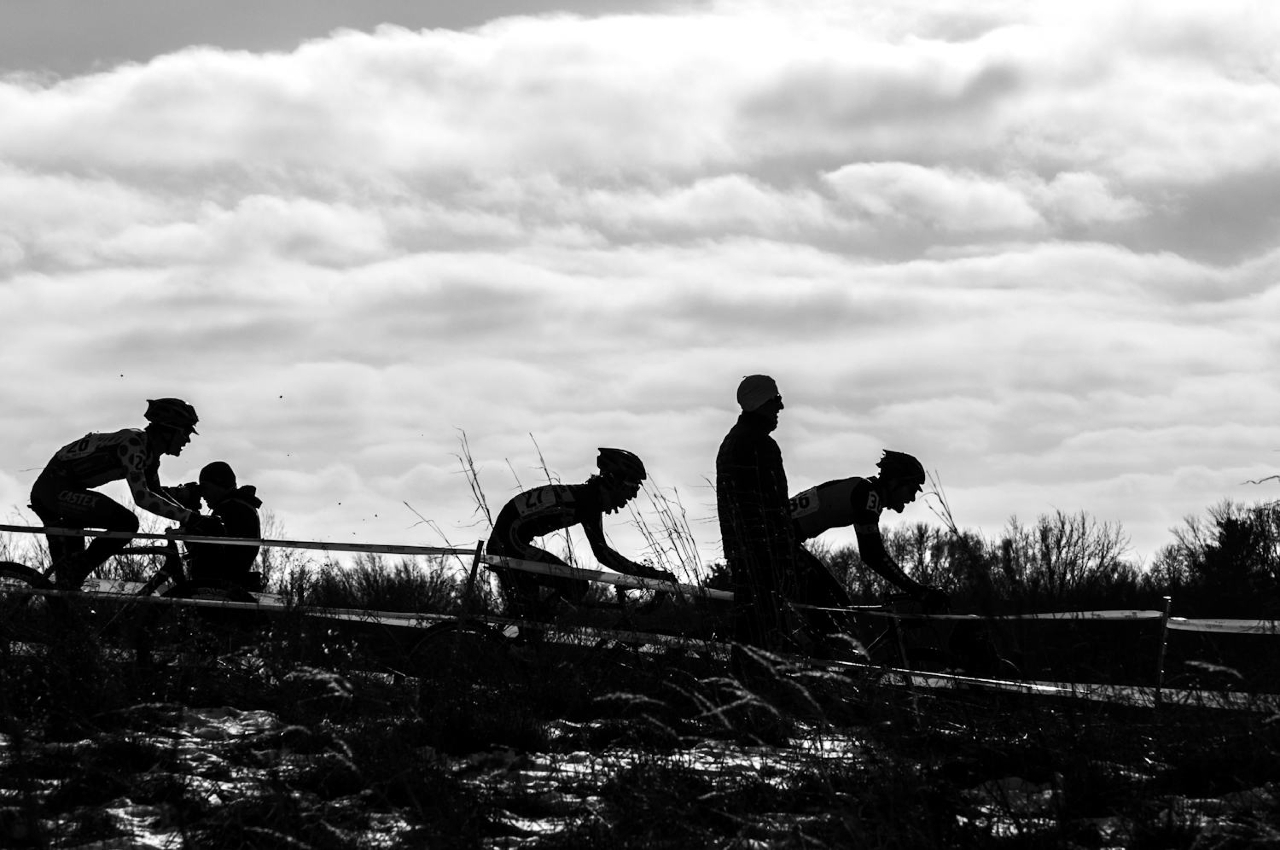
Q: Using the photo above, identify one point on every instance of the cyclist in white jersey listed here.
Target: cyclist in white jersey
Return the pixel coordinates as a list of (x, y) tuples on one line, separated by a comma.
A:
[(63, 494), (858, 502)]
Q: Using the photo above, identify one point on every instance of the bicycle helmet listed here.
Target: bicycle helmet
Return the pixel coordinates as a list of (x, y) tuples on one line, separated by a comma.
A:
[(620, 464), (173, 412), (900, 466)]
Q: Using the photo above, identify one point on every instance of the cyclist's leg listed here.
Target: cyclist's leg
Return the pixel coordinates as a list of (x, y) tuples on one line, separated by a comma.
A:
[(63, 549), (820, 584), (517, 589), (571, 590), (815, 585), (521, 589), (79, 508)]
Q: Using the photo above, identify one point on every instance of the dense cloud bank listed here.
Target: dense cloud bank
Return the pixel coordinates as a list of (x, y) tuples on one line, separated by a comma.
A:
[(1035, 245)]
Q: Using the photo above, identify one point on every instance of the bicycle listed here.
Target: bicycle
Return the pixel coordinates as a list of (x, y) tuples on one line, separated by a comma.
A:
[(896, 633), (29, 599)]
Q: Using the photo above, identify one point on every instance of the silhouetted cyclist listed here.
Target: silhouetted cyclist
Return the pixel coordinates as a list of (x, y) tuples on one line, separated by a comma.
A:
[(63, 494), (858, 502), (554, 507)]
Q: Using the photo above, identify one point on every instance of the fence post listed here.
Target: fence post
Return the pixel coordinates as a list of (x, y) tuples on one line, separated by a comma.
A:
[(906, 667), (1164, 640), (469, 597)]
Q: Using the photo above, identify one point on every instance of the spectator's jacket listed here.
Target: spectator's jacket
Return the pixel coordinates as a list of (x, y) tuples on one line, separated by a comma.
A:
[(238, 514), (751, 500)]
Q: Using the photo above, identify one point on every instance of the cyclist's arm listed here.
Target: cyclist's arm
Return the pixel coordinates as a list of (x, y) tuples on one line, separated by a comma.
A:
[(144, 484), (594, 531), (874, 555)]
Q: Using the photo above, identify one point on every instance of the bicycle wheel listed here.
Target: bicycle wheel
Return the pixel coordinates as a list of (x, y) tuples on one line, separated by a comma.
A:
[(24, 614)]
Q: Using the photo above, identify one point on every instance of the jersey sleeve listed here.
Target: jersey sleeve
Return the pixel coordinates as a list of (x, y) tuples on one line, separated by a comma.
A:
[(593, 528), (871, 546), (866, 505), (872, 550), (144, 482)]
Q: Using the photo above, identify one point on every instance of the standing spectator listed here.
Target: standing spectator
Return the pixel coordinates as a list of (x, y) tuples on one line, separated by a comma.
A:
[(755, 522)]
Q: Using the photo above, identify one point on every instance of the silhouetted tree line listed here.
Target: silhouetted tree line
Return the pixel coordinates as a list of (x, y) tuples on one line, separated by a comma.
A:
[(1225, 564)]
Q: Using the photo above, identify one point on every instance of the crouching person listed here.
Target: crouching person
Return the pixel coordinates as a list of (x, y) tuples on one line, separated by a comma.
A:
[(235, 509)]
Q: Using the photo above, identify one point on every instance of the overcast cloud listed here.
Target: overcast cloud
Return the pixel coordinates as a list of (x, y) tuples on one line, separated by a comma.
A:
[(1036, 245)]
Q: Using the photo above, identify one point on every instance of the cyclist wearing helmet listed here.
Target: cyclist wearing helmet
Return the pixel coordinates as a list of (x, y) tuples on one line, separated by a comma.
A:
[(755, 525), (554, 507), (859, 502), (63, 494)]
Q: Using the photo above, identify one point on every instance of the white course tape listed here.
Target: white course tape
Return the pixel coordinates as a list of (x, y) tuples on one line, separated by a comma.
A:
[(619, 579), (1221, 626), (380, 548), (1239, 627)]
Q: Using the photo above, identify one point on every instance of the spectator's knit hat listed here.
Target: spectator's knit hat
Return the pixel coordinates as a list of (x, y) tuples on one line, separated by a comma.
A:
[(220, 473), (756, 391)]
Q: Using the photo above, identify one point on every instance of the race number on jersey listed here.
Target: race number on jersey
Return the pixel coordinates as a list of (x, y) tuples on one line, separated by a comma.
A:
[(96, 455), (89, 444), (804, 504), (544, 499)]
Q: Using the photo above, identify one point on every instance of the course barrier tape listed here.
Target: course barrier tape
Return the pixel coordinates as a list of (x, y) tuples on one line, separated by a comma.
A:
[(379, 548), (594, 637), (1119, 614), (617, 579), (1240, 627), (1212, 625), (123, 587), (125, 593), (1143, 696), (597, 636)]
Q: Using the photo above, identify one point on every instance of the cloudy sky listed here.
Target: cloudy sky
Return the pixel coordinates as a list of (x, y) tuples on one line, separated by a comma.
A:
[(1036, 244)]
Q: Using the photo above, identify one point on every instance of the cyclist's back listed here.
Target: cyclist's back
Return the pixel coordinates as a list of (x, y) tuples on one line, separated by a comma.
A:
[(860, 502), (541, 511), (834, 504), (96, 459), (554, 507), (532, 514)]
